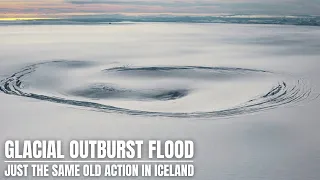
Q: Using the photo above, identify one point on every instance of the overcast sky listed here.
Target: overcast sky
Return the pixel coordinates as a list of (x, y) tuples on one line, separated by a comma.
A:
[(198, 7)]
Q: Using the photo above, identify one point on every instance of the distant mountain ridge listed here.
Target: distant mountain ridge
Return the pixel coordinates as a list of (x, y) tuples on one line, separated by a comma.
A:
[(234, 19)]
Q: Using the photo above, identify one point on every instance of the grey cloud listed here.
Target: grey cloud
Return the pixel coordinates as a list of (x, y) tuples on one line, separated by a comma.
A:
[(267, 7), (144, 3)]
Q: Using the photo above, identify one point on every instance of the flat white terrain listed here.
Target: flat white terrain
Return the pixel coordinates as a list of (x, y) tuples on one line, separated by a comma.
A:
[(246, 94)]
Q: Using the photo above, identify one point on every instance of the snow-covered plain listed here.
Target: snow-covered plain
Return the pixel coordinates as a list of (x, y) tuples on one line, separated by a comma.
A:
[(246, 94)]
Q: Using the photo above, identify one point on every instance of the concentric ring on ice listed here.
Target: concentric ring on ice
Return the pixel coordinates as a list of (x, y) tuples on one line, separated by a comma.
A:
[(168, 91)]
